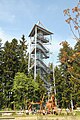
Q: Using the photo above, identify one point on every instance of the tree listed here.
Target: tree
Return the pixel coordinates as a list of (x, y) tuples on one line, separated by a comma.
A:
[(24, 89), (59, 83), (42, 89), (73, 20), (23, 56), (1, 76), (11, 66), (74, 62), (69, 68), (74, 70), (14, 59), (77, 59), (74, 59), (65, 52)]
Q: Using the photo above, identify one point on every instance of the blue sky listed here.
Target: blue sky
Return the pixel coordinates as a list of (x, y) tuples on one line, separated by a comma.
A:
[(17, 17)]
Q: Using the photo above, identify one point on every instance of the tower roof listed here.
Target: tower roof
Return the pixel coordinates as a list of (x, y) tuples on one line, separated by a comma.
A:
[(40, 27)]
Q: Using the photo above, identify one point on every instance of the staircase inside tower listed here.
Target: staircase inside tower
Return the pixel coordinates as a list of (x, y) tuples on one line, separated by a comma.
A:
[(39, 53)]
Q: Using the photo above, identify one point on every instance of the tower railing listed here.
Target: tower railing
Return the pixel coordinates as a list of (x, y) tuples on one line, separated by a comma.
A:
[(42, 44), (44, 39), (42, 65), (44, 51), (47, 83)]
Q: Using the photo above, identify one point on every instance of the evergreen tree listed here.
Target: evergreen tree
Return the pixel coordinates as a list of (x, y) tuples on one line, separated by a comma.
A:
[(11, 66), (1, 76), (77, 59), (23, 56), (14, 59), (74, 60), (74, 70), (65, 52), (59, 83), (42, 89)]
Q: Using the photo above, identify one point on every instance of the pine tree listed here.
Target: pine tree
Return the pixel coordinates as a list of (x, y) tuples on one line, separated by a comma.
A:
[(23, 56), (65, 52), (11, 66), (74, 69), (1, 76), (59, 83)]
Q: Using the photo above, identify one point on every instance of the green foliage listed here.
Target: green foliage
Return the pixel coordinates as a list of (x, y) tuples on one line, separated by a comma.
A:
[(1, 75), (17, 87), (67, 75), (12, 60), (41, 89), (23, 67), (24, 89)]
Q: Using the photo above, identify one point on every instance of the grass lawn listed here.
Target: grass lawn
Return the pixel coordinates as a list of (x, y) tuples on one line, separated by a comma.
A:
[(35, 117), (42, 117), (75, 116)]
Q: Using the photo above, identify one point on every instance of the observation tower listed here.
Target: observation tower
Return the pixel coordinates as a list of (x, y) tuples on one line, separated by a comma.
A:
[(38, 51)]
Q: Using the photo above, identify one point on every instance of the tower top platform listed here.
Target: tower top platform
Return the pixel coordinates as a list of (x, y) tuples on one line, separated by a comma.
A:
[(39, 28)]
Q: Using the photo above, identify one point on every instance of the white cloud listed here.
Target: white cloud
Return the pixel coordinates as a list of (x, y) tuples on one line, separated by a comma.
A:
[(4, 36), (71, 41), (55, 48)]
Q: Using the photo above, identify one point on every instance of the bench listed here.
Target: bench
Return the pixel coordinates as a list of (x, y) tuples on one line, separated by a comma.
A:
[(7, 118), (6, 114), (20, 113)]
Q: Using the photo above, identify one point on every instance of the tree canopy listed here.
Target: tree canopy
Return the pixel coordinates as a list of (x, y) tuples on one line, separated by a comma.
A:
[(24, 89)]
